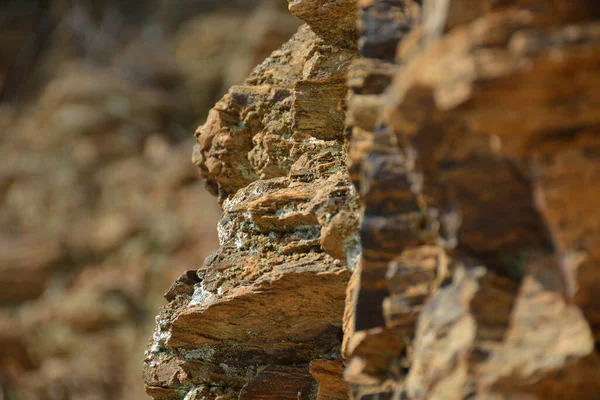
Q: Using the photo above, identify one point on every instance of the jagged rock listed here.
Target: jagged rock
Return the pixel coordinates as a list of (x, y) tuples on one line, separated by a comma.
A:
[(333, 20), (270, 300), (481, 96), (287, 107), (100, 208), (445, 169)]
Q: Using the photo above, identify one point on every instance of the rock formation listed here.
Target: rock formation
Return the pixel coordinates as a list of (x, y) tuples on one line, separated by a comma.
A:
[(271, 299), (408, 192), (100, 208)]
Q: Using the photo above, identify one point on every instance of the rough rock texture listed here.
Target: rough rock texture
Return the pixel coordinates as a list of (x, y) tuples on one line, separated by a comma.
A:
[(100, 208), (444, 180), (264, 313), (472, 148)]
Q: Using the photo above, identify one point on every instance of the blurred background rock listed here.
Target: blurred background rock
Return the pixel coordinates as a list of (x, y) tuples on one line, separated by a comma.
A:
[(100, 207)]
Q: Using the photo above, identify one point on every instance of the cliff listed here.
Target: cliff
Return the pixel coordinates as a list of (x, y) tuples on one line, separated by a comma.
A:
[(408, 192)]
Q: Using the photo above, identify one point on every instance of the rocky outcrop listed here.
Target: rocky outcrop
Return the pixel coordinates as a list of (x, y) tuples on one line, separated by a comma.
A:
[(460, 140), (264, 313), (100, 208), (441, 174)]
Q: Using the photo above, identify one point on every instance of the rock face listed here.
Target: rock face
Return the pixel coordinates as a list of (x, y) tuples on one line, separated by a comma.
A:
[(475, 112), (100, 208), (270, 300), (442, 174)]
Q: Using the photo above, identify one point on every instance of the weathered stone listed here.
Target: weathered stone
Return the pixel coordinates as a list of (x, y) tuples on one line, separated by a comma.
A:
[(288, 106), (328, 373), (487, 108), (448, 180), (282, 383), (273, 295), (455, 330), (100, 208), (333, 20)]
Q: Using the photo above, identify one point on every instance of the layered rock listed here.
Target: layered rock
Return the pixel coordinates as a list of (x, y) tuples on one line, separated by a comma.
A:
[(444, 181), (477, 93), (263, 316), (100, 208)]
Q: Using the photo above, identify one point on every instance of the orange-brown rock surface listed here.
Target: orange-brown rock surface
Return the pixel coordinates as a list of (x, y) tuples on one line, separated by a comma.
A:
[(100, 208), (408, 192), (489, 291), (270, 300)]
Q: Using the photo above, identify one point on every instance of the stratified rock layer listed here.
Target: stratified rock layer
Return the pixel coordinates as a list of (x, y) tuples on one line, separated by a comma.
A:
[(454, 207), (100, 208), (263, 316), (468, 123)]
